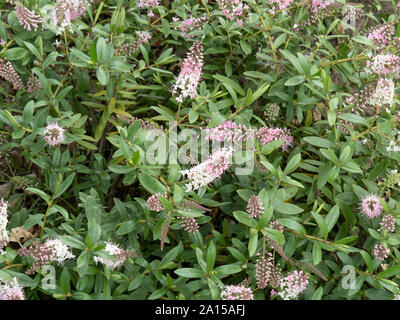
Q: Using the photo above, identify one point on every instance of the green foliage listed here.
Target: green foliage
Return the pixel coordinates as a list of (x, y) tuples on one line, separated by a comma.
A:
[(92, 189)]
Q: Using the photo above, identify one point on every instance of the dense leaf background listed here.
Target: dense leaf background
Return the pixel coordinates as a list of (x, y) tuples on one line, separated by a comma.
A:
[(93, 188)]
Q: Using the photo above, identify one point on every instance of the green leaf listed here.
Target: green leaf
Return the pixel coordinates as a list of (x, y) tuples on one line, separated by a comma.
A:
[(158, 293), (65, 185), (293, 164), (288, 208), (352, 167), (295, 81), (82, 263), (368, 260), (40, 193), (244, 218), (271, 146), (151, 184), (390, 272), (318, 294), (190, 273), (126, 227), (170, 256), (378, 294), (33, 49), (346, 154), (227, 270), (332, 217), (253, 242), (103, 76), (364, 40), (15, 53), (65, 281), (215, 294), (136, 282), (317, 253), (292, 224), (237, 254), (245, 46), (354, 118), (211, 255), (259, 92), (319, 142), (226, 81), (321, 223), (73, 242)]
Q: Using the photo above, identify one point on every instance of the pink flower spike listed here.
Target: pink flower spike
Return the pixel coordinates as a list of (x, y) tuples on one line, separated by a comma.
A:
[(209, 170), (189, 77), (27, 18), (255, 207), (154, 202)]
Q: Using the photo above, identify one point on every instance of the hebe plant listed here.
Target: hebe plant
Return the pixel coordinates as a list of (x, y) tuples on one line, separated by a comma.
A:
[(184, 149)]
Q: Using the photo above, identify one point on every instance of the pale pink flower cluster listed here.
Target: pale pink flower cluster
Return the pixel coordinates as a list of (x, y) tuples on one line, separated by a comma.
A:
[(3, 225), (233, 9), (360, 101), (380, 252), (371, 206), (394, 145), (384, 93), (189, 224), (318, 5), (154, 203), (189, 77), (276, 225), (27, 18), (266, 135), (281, 4), (387, 224), (129, 48), (255, 207), (209, 170), (381, 35), (228, 131), (120, 255), (292, 285), (148, 4), (65, 11), (11, 290), (384, 64), (61, 252), (237, 293), (8, 72), (190, 24), (53, 134), (53, 250)]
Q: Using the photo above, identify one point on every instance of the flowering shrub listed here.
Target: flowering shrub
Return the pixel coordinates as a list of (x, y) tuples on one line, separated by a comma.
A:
[(185, 149)]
